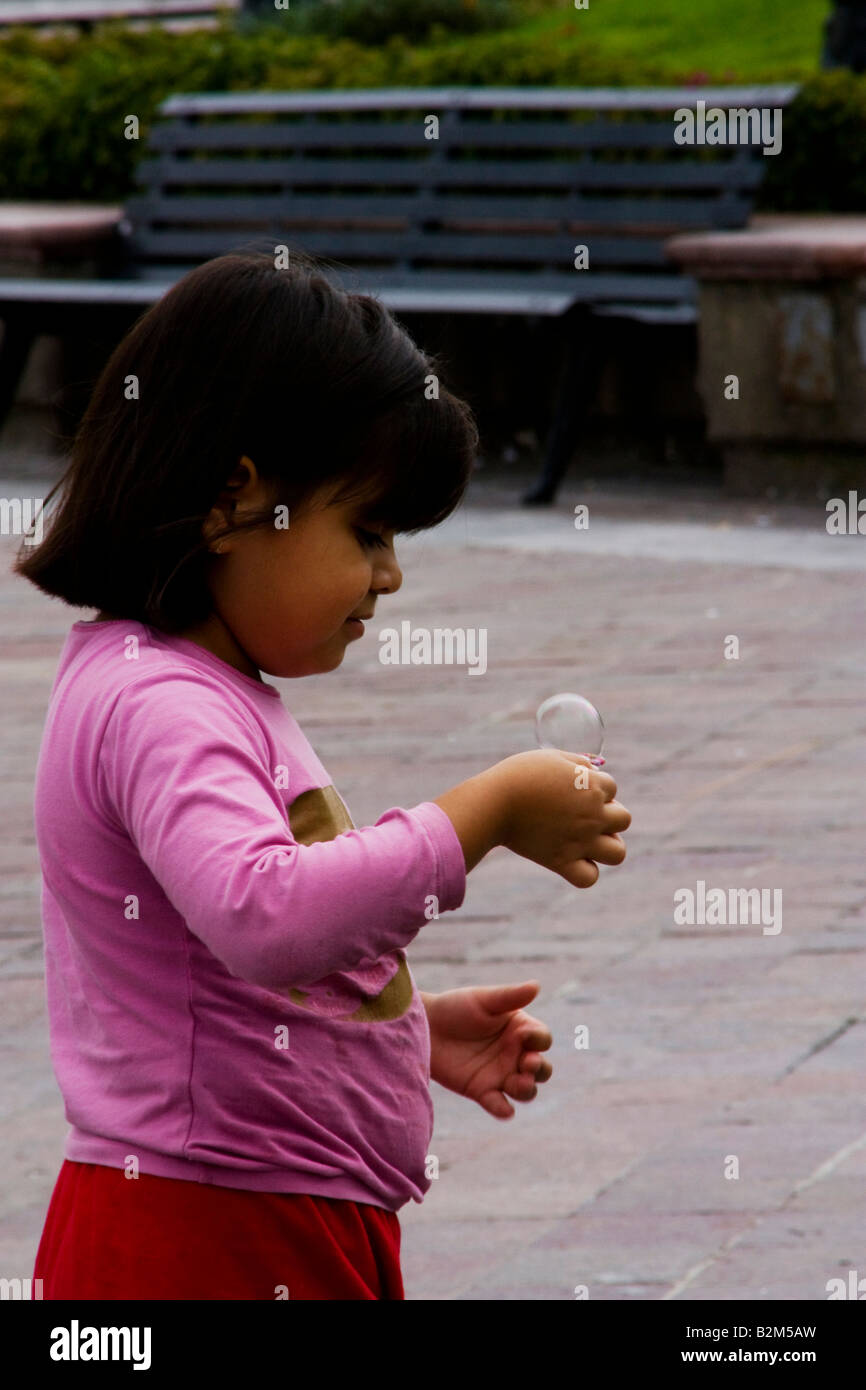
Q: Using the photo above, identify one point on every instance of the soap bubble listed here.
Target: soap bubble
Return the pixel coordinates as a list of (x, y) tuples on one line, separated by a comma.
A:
[(569, 722)]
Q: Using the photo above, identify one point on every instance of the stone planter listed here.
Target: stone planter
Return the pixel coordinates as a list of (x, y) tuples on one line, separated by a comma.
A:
[(45, 240), (782, 351)]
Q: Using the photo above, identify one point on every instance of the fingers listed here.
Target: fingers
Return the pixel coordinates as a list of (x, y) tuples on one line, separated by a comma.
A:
[(601, 781), (535, 1038), (609, 849), (605, 783), (532, 1064), (495, 1103), (521, 1087), (595, 813), (616, 817), (582, 873), (612, 817)]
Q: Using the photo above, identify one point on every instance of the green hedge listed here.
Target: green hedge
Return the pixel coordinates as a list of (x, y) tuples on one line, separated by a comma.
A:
[(374, 21), (63, 101), (822, 164)]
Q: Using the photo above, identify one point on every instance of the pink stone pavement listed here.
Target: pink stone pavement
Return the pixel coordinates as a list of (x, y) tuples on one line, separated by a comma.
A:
[(711, 1048)]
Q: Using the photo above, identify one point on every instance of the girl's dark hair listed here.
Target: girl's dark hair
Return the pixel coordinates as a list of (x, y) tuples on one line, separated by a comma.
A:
[(316, 384)]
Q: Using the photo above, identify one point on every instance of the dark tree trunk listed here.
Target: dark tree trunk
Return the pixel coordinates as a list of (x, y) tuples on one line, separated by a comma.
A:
[(845, 36)]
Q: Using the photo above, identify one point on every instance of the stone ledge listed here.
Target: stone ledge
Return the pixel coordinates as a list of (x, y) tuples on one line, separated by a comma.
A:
[(33, 231), (775, 246)]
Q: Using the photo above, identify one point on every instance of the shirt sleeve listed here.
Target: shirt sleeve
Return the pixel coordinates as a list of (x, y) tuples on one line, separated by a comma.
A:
[(185, 772)]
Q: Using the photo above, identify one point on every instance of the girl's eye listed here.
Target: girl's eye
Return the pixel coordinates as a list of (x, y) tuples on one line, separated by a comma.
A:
[(370, 537)]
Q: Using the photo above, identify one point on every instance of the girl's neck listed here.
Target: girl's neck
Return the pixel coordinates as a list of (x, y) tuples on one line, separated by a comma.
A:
[(214, 636)]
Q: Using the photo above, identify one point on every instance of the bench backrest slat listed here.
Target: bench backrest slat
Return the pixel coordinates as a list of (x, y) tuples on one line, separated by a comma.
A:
[(663, 217), (168, 172), (313, 133), (426, 99), (360, 246)]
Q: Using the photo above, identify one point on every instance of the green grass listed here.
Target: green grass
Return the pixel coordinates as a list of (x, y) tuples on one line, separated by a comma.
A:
[(723, 40)]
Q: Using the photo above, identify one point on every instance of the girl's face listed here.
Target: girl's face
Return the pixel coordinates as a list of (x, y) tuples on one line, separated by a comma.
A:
[(283, 598)]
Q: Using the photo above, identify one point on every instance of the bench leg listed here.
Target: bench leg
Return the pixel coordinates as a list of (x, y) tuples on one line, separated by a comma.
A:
[(14, 352), (574, 395)]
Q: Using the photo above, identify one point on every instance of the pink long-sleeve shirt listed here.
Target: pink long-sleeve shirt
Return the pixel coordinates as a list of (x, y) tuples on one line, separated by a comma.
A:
[(229, 999)]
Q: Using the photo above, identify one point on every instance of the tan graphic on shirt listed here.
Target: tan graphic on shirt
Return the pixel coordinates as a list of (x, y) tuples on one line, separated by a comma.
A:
[(376, 993)]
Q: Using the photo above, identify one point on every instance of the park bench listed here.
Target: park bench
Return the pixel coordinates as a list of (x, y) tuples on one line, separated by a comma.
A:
[(477, 211)]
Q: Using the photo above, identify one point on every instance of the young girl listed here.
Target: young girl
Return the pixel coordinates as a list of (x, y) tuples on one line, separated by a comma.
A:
[(242, 1050)]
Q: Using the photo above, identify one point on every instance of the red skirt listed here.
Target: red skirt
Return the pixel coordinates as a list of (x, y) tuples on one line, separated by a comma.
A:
[(107, 1236)]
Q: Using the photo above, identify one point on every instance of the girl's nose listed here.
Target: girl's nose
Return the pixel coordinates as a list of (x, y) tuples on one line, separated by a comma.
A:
[(390, 577)]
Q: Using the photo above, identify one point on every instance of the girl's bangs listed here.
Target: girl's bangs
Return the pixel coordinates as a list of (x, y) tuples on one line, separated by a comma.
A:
[(414, 465)]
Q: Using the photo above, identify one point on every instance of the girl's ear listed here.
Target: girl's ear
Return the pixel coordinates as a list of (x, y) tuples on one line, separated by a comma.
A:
[(242, 481), (241, 487)]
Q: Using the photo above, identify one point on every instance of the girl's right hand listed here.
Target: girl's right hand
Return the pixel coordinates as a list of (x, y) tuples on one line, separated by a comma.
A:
[(559, 816)]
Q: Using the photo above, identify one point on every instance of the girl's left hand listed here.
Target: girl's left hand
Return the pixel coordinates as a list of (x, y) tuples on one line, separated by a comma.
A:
[(484, 1047)]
